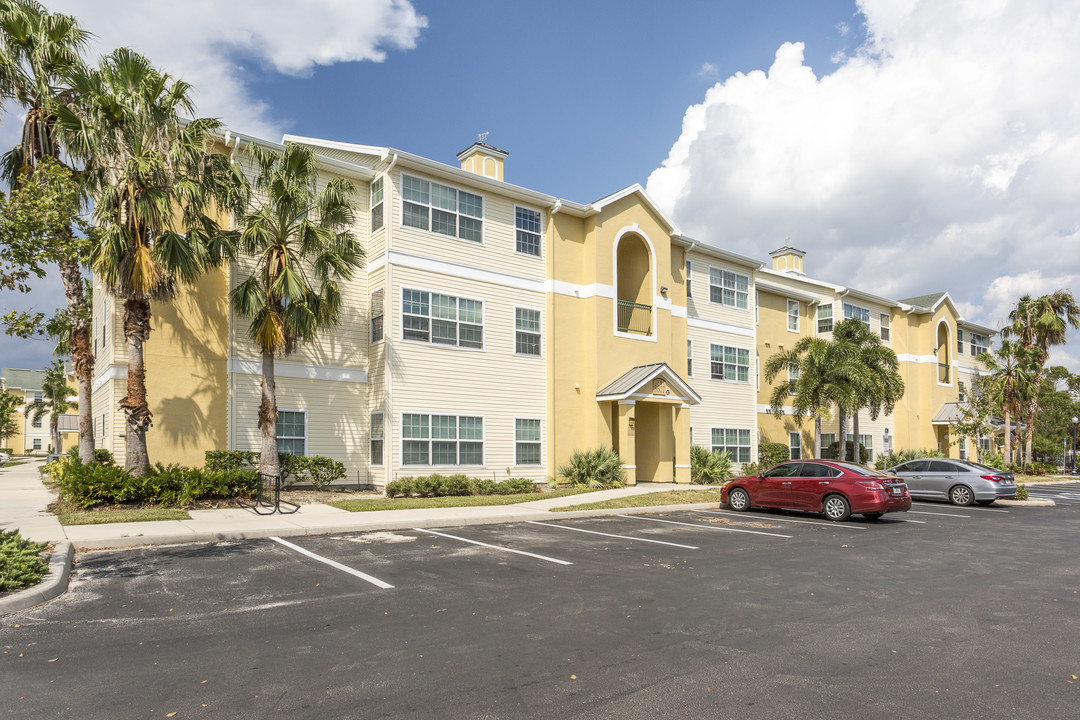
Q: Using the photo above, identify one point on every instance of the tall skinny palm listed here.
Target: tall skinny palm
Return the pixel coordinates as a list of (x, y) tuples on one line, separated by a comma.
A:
[(302, 245), (877, 383), (156, 189), (39, 51), (825, 371), (1011, 367), (55, 401), (1040, 323)]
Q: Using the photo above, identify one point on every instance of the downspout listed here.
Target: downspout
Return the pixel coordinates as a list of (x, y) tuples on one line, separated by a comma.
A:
[(389, 313)]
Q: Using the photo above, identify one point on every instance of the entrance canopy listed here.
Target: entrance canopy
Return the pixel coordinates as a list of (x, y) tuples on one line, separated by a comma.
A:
[(656, 382)]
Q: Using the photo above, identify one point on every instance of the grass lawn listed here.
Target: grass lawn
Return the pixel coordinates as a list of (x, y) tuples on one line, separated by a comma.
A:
[(367, 504), (121, 515), (675, 497), (1027, 479)]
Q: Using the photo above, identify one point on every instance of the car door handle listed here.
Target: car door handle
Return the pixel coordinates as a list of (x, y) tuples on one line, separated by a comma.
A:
[(823, 482), (786, 482)]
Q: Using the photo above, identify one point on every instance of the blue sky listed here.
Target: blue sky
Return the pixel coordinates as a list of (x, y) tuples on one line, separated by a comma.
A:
[(909, 146)]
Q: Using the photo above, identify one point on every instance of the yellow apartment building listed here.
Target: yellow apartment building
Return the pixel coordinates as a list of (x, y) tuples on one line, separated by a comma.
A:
[(32, 437), (494, 331)]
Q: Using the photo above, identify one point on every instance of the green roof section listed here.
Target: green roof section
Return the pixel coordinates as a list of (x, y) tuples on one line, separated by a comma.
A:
[(21, 379), (923, 301)]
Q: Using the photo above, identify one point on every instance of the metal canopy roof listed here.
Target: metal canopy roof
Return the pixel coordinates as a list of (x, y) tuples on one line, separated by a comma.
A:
[(630, 384)]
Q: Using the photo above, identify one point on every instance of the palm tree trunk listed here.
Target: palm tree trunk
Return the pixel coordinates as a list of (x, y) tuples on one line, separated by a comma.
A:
[(1008, 434), (269, 462), (1029, 436), (817, 436), (842, 418), (136, 411), (82, 358), (857, 453)]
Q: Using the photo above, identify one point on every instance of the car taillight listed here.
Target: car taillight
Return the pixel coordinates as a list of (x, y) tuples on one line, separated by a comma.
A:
[(871, 485), (993, 478)]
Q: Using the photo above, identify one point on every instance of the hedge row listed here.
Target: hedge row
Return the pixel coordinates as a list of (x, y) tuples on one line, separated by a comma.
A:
[(445, 485), (317, 470), (21, 564), (87, 486)]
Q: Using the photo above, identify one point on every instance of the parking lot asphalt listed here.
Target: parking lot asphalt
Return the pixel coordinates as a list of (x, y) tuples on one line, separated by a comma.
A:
[(943, 612)]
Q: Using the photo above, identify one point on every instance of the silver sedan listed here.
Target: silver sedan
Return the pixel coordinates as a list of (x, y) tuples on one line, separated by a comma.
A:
[(959, 481)]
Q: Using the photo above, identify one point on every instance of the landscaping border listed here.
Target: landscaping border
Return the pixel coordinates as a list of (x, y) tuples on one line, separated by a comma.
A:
[(54, 584)]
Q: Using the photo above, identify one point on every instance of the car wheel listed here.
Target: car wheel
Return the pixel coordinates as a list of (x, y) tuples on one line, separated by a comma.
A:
[(872, 516), (836, 508), (961, 495), (985, 502), (738, 500)]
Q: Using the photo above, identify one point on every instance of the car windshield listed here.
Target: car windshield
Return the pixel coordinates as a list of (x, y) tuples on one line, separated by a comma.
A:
[(856, 469)]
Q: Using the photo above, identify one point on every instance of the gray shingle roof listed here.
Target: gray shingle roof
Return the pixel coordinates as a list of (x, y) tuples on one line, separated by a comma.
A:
[(923, 301), (634, 378), (22, 379)]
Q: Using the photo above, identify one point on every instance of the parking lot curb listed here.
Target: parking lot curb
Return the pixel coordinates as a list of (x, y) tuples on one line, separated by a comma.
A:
[(54, 584), (1030, 502)]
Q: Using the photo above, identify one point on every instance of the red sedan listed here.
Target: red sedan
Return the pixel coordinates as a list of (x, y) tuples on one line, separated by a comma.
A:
[(837, 489)]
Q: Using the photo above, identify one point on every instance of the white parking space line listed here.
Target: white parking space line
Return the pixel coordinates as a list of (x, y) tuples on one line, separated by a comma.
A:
[(770, 517), (702, 527), (899, 519), (495, 547), (344, 568), (966, 509), (923, 512), (621, 537)]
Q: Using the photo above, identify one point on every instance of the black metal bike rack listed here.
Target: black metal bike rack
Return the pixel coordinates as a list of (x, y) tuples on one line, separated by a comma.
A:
[(268, 498)]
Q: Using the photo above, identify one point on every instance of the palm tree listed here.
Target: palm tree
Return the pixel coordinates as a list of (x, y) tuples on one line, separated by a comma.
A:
[(39, 51), (878, 385), (303, 246), (55, 400), (155, 188), (1011, 368), (1040, 323), (825, 368)]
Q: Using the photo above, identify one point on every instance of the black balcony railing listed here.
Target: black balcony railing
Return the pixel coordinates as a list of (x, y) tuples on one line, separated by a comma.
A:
[(635, 317), (943, 373)]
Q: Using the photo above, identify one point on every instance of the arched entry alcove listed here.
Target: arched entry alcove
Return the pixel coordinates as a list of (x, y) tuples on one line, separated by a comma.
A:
[(944, 357), (635, 273)]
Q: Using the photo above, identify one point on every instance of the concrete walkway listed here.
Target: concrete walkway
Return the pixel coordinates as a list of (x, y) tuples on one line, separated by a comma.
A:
[(23, 499)]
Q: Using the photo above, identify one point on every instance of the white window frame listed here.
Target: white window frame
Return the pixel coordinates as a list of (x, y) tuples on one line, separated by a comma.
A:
[(277, 428), (857, 311), (377, 299), (724, 273), (793, 372), (381, 439), (431, 318), (432, 440), (689, 275), (539, 443), (867, 441), (959, 341), (831, 319), (885, 326), (689, 358), (36, 444), (978, 348), (538, 233), (430, 207), (795, 445), (791, 316), (735, 456), (539, 334), (723, 362), (378, 184)]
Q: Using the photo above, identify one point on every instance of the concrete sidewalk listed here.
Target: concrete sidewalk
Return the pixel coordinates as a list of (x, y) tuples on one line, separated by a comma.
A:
[(23, 499)]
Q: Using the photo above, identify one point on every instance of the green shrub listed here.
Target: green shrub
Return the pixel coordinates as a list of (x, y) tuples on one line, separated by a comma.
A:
[(993, 460), (230, 459), (599, 468), (709, 468), (20, 562), (8, 451), (323, 471), (1021, 492), (427, 486), (516, 486), (402, 487), (896, 457), (455, 485), (754, 468), (1014, 468), (1039, 468), (484, 486), (90, 485), (104, 457), (770, 453)]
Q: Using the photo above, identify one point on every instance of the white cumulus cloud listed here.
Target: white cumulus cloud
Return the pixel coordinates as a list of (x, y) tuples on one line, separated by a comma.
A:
[(201, 40), (941, 155)]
